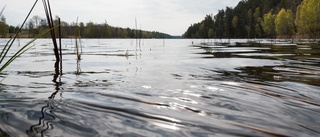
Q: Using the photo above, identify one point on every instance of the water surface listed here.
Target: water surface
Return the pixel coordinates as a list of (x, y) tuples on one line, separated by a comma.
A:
[(162, 88)]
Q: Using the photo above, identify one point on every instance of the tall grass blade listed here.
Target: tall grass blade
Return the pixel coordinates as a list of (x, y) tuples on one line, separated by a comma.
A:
[(4, 50), (2, 10), (60, 47)]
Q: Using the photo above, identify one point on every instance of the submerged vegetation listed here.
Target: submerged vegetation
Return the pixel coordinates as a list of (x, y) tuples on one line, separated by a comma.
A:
[(261, 19)]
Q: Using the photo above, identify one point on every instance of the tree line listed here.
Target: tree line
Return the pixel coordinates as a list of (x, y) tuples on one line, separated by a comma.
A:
[(36, 25), (261, 19)]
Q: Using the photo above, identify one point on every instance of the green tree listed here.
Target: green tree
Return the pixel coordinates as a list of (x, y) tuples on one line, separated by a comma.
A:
[(31, 28), (4, 28), (124, 33), (308, 17), (230, 31), (268, 24), (211, 33), (89, 31), (82, 29), (219, 24), (107, 30), (290, 23), (203, 30), (205, 25), (284, 23), (257, 23), (249, 27), (235, 22), (35, 20)]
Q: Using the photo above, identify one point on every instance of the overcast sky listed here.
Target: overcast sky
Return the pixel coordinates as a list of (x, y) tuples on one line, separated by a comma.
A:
[(168, 16)]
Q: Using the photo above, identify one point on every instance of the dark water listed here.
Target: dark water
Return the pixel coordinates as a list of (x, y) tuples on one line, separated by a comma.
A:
[(162, 88)]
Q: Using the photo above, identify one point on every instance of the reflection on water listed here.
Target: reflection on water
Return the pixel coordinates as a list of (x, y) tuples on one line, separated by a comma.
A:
[(78, 69), (162, 88)]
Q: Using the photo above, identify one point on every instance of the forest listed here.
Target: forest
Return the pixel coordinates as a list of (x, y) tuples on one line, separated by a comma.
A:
[(261, 19), (36, 25)]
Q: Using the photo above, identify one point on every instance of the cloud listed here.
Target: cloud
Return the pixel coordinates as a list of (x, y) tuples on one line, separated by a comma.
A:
[(169, 16)]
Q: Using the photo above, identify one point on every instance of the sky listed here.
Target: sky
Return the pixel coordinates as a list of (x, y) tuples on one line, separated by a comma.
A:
[(168, 16)]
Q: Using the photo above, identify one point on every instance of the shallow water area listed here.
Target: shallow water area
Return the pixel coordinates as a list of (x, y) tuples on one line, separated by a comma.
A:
[(162, 87)]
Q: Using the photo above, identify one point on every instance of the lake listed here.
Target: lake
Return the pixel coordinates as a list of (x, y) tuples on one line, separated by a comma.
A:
[(162, 88)]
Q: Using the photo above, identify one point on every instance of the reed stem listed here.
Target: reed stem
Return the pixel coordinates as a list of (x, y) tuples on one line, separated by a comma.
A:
[(60, 47), (48, 12)]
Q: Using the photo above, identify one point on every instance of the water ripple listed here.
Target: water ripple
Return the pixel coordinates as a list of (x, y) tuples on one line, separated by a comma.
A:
[(163, 90)]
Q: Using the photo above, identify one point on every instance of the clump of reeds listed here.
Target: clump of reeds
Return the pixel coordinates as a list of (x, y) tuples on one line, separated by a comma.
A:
[(50, 21)]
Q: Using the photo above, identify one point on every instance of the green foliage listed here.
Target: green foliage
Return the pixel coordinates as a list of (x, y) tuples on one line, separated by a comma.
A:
[(284, 23), (203, 29), (250, 25), (257, 13), (90, 30), (193, 31), (269, 24), (211, 33), (235, 22), (228, 23), (258, 23), (246, 20), (219, 24), (308, 17), (4, 28)]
